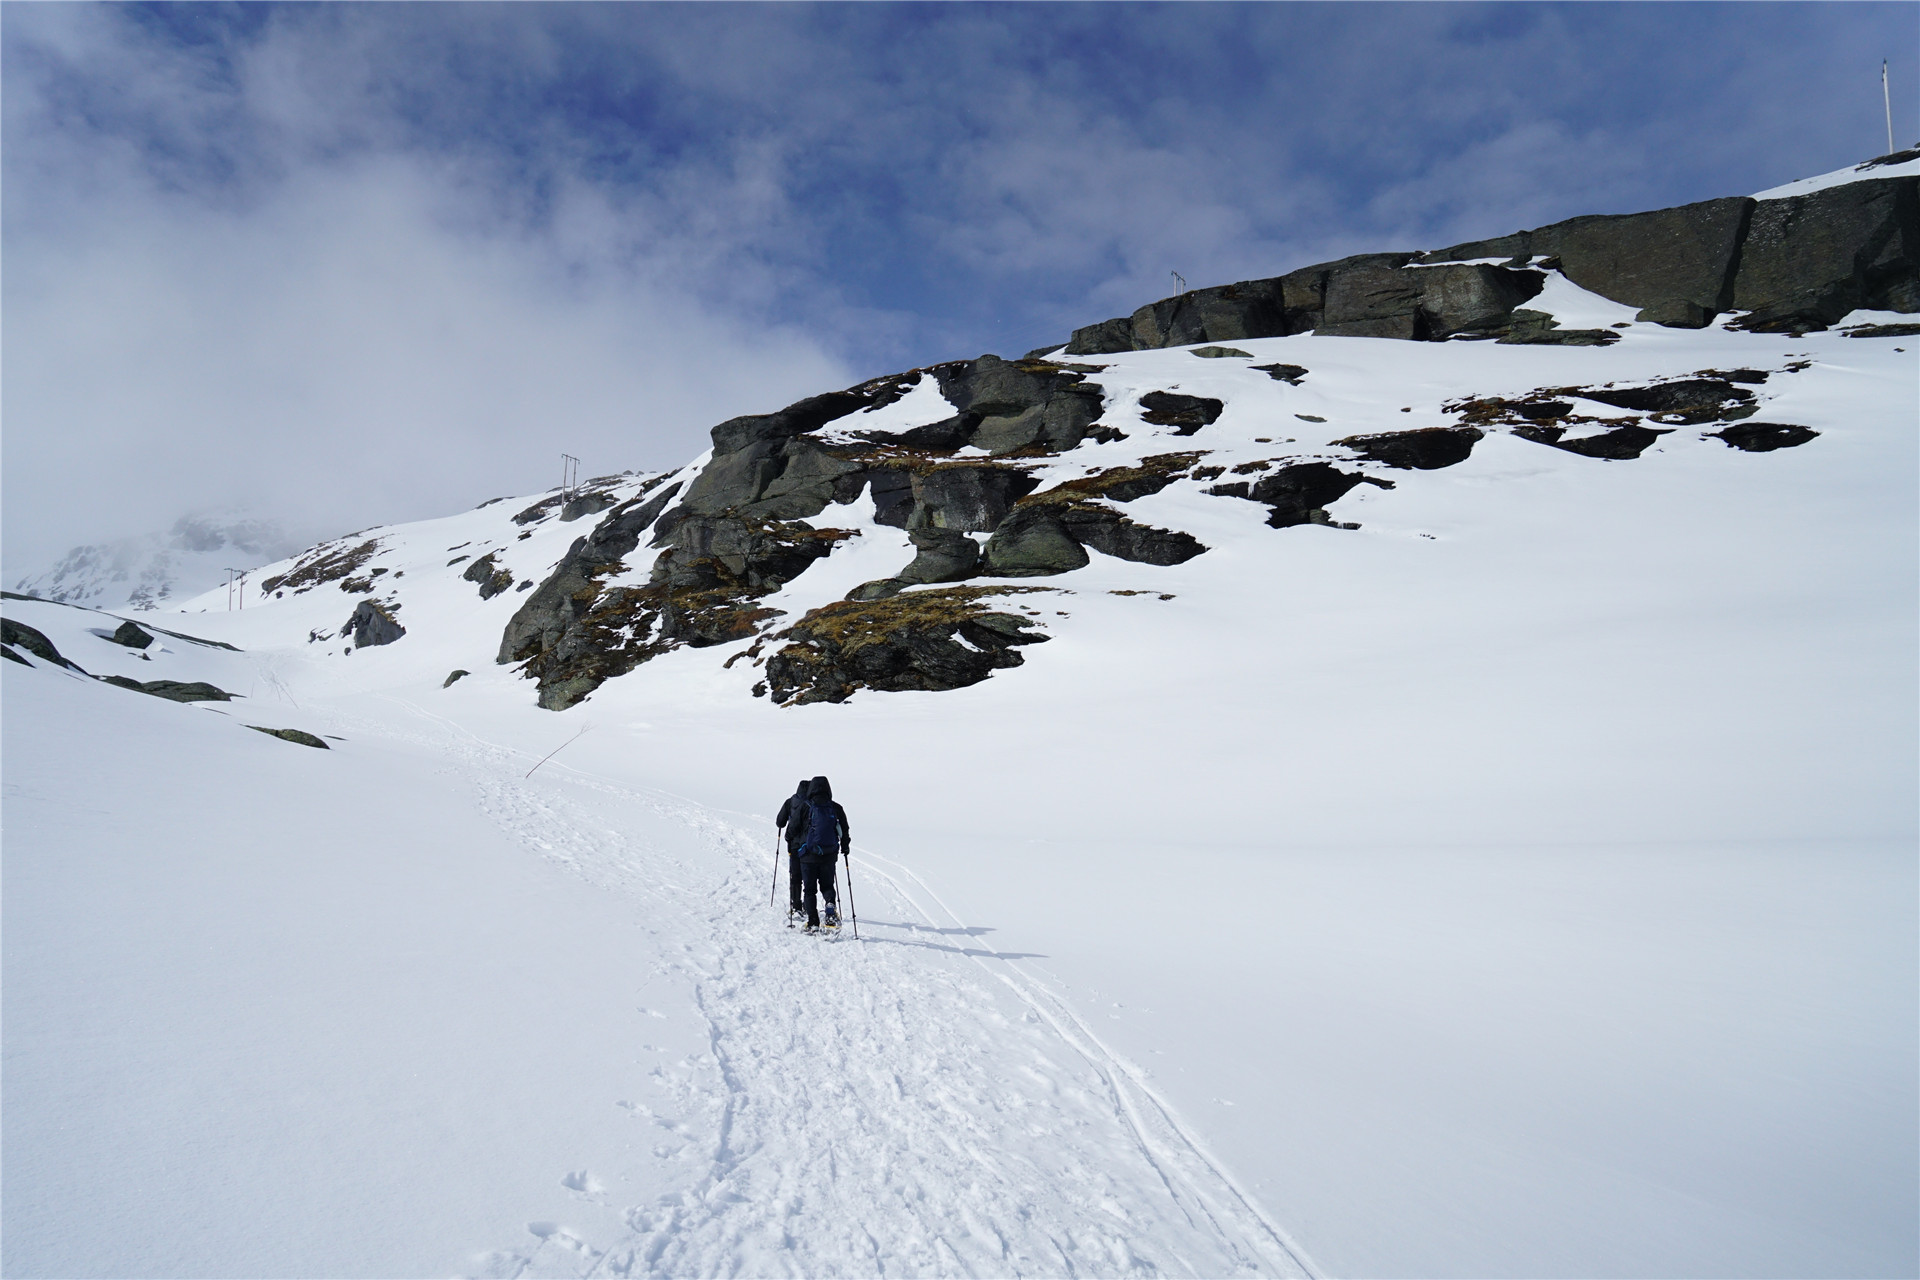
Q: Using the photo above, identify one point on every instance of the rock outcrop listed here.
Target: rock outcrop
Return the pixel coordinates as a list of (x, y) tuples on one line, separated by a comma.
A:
[(1809, 260), (1299, 493), (372, 624), (1764, 437), (942, 639), (966, 488), (18, 635), (1426, 449), (740, 531), (173, 690), (1794, 264), (336, 561), (132, 635), (492, 578), (299, 736)]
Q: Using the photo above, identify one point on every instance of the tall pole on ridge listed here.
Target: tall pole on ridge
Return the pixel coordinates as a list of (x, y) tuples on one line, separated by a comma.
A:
[(1886, 96)]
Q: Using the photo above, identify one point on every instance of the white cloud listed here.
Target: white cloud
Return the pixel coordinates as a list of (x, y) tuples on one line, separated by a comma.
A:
[(353, 341)]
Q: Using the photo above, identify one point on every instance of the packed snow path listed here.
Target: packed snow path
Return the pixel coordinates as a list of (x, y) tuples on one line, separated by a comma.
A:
[(907, 1103)]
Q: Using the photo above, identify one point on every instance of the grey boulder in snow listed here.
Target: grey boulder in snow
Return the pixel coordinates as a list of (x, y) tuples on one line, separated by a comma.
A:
[(371, 624)]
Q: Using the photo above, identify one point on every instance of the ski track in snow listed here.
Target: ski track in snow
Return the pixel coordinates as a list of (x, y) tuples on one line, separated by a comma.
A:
[(901, 1104)]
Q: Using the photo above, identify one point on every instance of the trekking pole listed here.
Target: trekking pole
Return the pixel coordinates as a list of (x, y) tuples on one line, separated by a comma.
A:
[(773, 894), (852, 913), (557, 750)]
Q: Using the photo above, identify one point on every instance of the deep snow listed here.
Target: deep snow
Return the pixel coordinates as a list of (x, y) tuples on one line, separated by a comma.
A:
[(1520, 884)]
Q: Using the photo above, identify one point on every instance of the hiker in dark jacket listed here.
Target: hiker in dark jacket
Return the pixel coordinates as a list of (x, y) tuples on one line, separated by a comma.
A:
[(825, 839), (792, 822)]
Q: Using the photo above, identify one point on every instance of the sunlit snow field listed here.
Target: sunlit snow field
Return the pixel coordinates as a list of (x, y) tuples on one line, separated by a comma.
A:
[(1520, 884)]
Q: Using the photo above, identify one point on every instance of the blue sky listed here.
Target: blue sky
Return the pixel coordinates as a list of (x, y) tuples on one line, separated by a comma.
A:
[(250, 248)]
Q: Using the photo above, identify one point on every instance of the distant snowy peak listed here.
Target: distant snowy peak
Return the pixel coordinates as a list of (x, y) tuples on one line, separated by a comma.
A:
[(140, 572), (1899, 164)]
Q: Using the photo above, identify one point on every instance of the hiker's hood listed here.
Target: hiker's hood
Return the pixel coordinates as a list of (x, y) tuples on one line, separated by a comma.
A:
[(819, 789)]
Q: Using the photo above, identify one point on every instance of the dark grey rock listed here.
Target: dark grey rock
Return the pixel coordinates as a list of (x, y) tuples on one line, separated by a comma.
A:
[(1682, 401), (1527, 327), (1032, 543), (1021, 405), (1764, 437), (173, 690), (585, 504), (1618, 445), (921, 640), (945, 556), (892, 493), (967, 497), (7, 652), (1685, 254), (299, 736), (19, 635), (736, 434), (1517, 245), (705, 553), (1109, 337), (1247, 309), (370, 624), (1470, 299), (1675, 313), (1299, 493), (539, 510), (1287, 373), (1426, 449), (773, 479), (1371, 302), (452, 676), (132, 635), (1001, 434), (560, 601), (1809, 260), (879, 589), (804, 486), (943, 436), (1185, 414), (492, 578), (1882, 331), (1220, 353), (1268, 308), (1428, 303), (1113, 534)]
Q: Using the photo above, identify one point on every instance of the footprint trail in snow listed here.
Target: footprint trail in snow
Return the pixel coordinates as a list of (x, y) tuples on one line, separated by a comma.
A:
[(907, 1103)]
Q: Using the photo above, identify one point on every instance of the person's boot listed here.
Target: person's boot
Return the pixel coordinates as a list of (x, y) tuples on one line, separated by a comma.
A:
[(833, 915)]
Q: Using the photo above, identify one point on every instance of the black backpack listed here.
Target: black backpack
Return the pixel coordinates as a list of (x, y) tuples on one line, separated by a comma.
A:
[(822, 832)]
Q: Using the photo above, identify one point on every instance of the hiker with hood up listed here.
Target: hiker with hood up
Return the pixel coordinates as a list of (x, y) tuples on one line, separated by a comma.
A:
[(824, 839), (792, 823)]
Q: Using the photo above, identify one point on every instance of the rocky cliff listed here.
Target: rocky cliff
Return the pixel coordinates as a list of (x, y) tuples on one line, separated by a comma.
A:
[(1791, 264), (979, 479)]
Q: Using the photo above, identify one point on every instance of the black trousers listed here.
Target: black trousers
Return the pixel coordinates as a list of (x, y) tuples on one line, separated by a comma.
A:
[(793, 879), (816, 874)]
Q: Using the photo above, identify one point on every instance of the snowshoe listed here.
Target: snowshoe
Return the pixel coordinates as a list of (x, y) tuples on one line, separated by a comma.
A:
[(833, 916)]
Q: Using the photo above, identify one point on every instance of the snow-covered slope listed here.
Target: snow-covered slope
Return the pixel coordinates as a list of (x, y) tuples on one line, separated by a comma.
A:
[(1899, 164), (1520, 882)]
